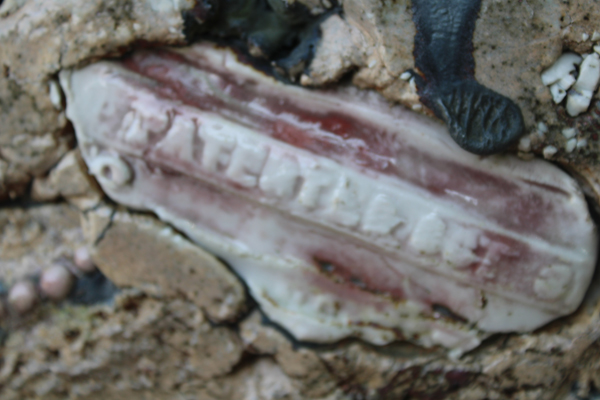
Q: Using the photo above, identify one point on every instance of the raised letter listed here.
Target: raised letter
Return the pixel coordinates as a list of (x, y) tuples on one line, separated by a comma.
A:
[(381, 216), (316, 178), (428, 234), (279, 176), (247, 161), (344, 207), (218, 145), (179, 141)]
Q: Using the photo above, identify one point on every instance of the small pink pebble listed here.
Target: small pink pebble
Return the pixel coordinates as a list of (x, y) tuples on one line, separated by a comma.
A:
[(56, 282), (83, 260), (22, 296)]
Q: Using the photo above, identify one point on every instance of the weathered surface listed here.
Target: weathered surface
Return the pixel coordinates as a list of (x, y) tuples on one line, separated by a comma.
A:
[(141, 347), (49, 353), (146, 348), (152, 344), (138, 251), (243, 150), (513, 42), (37, 238), (39, 38), (68, 180)]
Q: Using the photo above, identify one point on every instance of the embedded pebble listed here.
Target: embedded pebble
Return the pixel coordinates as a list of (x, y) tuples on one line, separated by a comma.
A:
[(561, 68), (559, 89), (570, 146), (22, 296), (597, 49), (525, 145), (581, 143), (56, 282), (569, 132), (55, 94), (595, 36), (589, 73), (585, 37), (542, 128), (580, 96), (412, 86), (83, 260), (578, 102), (549, 151), (558, 93), (405, 76)]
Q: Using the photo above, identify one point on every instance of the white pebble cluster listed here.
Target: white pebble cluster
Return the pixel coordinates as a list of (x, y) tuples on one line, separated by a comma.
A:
[(575, 77), (549, 151), (55, 283), (570, 134)]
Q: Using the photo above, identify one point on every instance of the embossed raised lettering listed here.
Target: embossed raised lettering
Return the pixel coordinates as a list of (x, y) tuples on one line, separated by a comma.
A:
[(179, 140), (280, 175), (218, 146), (428, 234), (131, 129), (459, 245), (344, 208), (317, 178), (344, 232), (247, 161), (381, 216)]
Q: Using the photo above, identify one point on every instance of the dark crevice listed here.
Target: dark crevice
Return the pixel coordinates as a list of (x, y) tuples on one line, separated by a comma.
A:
[(106, 228), (273, 35), (447, 313), (93, 288)]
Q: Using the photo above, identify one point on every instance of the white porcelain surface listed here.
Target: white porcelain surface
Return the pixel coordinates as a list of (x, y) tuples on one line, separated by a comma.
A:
[(345, 216)]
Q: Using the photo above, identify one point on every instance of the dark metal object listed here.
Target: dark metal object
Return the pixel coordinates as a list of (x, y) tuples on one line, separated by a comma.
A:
[(479, 120), (285, 35)]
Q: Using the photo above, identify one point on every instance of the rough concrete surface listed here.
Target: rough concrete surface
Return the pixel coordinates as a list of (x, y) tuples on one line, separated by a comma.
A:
[(39, 38), (513, 43), (179, 328), (145, 344), (127, 247)]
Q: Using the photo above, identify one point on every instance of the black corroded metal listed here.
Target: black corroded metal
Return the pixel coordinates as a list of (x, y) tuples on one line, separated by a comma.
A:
[(284, 34), (479, 120)]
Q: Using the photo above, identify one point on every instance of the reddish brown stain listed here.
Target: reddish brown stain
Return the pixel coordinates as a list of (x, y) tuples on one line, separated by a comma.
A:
[(355, 142)]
